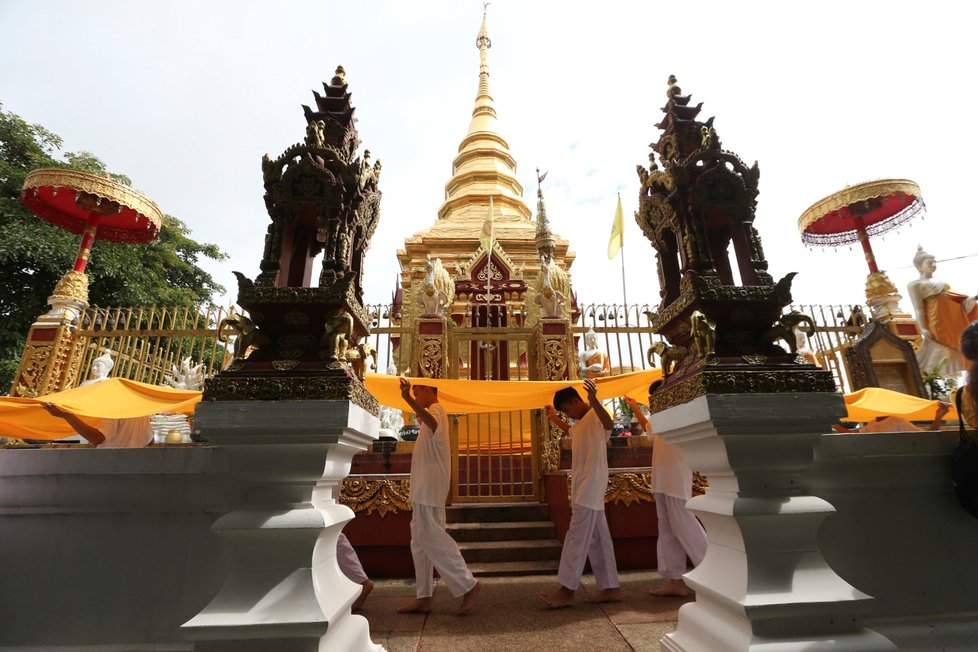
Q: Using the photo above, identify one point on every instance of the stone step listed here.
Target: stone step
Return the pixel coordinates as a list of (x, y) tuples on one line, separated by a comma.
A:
[(515, 568), (496, 512), (481, 552), (503, 531)]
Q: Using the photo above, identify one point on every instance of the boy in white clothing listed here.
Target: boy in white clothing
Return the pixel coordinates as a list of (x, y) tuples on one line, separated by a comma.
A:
[(431, 472), (350, 566), (588, 537), (680, 534)]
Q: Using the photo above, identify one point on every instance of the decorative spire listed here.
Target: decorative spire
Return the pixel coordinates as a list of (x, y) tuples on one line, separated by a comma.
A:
[(545, 240), (484, 166), (484, 114)]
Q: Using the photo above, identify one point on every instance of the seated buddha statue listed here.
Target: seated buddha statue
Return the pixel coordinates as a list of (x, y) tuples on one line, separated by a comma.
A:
[(594, 361), (942, 316)]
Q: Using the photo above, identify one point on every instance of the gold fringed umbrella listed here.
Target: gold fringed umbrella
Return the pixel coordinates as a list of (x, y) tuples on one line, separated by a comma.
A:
[(858, 213)]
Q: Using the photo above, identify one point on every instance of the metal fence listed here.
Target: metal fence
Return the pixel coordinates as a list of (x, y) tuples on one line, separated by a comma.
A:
[(147, 343)]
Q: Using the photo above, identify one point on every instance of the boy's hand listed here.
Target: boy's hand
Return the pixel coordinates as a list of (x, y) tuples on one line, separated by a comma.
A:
[(590, 388), (405, 388), (632, 403)]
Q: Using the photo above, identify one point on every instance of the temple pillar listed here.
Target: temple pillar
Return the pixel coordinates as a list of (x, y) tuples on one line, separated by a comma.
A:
[(553, 354), (764, 584), (431, 350), (51, 357), (284, 590)]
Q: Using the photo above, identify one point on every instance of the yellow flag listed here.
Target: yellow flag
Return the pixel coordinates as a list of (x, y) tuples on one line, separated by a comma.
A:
[(485, 238), (617, 232)]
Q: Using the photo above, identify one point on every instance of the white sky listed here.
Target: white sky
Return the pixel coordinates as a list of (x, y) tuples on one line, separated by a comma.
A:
[(185, 97)]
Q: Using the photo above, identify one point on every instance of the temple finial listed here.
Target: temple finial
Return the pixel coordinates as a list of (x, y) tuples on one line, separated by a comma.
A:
[(483, 115), (483, 40)]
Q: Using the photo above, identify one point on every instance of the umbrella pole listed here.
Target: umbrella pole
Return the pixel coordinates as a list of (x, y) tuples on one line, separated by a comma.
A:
[(867, 249), (88, 239)]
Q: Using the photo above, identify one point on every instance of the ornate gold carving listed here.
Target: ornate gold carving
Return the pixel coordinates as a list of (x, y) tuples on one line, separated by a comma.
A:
[(879, 286), (296, 341), (289, 353), (32, 367), (284, 365), (700, 484), (224, 387), (431, 355), (669, 356), (627, 488), (338, 331), (754, 359), (704, 333), (357, 358), (753, 381), (552, 363), (73, 286), (244, 331), (386, 495), (550, 446)]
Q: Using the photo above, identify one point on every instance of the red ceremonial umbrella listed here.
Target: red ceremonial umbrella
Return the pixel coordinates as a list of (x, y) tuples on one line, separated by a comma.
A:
[(857, 213), (91, 205)]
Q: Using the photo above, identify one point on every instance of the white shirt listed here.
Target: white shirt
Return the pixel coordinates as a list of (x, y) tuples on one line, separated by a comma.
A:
[(431, 462), (670, 473), (589, 461), (135, 432)]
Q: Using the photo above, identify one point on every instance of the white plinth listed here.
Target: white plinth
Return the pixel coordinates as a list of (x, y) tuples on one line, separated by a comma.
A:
[(284, 590), (764, 584)]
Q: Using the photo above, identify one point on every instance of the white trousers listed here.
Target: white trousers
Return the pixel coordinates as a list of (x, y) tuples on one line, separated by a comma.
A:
[(680, 535), (432, 547), (588, 538), (348, 561)]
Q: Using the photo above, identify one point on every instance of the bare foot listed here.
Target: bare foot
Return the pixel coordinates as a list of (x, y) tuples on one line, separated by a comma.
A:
[(562, 597), (419, 606), (468, 600), (675, 588), (607, 595), (368, 586)]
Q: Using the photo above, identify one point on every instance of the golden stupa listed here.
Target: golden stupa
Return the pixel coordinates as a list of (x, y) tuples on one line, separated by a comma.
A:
[(484, 175)]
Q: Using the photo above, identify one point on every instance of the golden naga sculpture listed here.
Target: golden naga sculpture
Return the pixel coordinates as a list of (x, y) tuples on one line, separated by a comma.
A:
[(244, 331), (785, 327), (704, 334), (669, 356), (438, 290), (335, 341)]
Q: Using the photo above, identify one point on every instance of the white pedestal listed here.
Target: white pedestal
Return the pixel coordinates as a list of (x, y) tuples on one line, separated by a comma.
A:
[(284, 590), (764, 584)]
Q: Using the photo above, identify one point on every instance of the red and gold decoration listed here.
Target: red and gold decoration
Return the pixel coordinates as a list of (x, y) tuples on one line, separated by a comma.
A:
[(95, 207), (856, 214), (300, 341), (725, 332)]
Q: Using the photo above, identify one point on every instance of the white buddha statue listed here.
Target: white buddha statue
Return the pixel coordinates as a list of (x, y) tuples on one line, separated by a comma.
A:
[(101, 367), (942, 316), (594, 361)]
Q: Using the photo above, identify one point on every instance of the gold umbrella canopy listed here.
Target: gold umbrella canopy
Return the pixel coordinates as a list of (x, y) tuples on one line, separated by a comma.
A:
[(857, 212), (77, 201)]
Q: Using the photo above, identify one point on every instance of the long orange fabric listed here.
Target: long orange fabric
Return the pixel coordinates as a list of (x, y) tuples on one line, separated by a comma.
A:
[(115, 398)]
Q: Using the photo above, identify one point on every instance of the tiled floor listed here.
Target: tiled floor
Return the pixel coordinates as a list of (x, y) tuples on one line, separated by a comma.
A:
[(510, 617)]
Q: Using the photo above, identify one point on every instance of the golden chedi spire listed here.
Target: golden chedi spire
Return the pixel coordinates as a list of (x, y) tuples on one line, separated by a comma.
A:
[(484, 166)]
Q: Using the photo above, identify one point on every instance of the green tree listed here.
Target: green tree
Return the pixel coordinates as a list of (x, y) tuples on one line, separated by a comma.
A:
[(34, 254)]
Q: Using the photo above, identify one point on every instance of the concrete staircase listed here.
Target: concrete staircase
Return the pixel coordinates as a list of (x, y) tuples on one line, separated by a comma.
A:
[(505, 539)]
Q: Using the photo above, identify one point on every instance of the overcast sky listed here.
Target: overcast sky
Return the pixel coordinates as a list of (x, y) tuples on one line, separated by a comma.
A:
[(185, 97)]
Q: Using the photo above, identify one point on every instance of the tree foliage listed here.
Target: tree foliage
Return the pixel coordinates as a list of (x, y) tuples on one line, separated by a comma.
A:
[(35, 254)]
